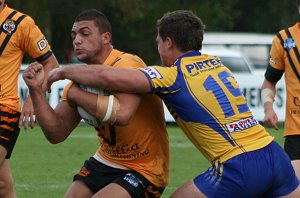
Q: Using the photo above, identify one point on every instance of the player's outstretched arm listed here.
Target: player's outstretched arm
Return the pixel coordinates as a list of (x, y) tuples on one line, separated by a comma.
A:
[(268, 97), (102, 76)]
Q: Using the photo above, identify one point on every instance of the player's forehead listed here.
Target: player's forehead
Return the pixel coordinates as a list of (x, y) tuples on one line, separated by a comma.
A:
[(83, 25)]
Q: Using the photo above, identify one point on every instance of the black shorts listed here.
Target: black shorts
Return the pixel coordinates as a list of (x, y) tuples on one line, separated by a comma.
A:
[(96, 176), (292, 146), (9, 129)]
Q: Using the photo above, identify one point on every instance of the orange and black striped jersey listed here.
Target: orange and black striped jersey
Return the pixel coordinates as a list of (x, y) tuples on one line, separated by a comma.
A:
[(284, 56), (142, 145), (18, 34)]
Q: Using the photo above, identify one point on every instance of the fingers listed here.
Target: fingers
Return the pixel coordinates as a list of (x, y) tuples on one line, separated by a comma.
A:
[(275, 125), (271, 123), (27, 120), (27, 114), (53, 76), (32, 120), (21, 120), (32, 69)]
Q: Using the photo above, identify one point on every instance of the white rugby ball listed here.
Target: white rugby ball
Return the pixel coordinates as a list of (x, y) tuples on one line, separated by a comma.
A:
[(88, 118)]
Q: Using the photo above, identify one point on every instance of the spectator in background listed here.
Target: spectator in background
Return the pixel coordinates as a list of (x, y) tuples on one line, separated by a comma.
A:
[(285, 59), (207, 104), (133, 155), (19, 34)]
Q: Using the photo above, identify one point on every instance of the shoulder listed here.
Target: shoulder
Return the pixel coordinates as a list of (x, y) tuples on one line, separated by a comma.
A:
[(16, 15), (128, 60), (21, 19), (27, 21)]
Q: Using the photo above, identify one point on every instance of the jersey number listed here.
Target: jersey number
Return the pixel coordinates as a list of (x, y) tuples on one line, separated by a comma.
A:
[(211, 84)]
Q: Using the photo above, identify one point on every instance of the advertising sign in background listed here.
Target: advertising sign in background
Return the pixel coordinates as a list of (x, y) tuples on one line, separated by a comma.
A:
[(250, 85)]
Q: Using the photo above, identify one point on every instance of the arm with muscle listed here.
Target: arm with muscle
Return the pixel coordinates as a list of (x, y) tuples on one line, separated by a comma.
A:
[(268, 94), (56, 124), (102, 76), (27, 110)]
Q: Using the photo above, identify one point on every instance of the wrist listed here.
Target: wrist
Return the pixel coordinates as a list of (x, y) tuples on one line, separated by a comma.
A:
[(73, 94), (268, 106), (36, 91), (267, 96)]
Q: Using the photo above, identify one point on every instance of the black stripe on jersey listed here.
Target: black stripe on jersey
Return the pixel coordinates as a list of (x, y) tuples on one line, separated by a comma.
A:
[(10, 16), (294, 48), (289, 57), (44, 57), (8, 115), (112, 131), (7, 38), (117, 59)]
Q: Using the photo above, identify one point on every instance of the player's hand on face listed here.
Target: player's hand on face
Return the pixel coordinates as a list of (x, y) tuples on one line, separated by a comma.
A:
[(34, 76)]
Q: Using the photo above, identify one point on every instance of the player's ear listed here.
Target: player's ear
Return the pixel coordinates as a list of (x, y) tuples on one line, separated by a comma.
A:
[(169, 42), (106, 37)]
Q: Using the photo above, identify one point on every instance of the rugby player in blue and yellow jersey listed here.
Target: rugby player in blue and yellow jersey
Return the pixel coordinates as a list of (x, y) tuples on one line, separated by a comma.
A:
[(207, 104)]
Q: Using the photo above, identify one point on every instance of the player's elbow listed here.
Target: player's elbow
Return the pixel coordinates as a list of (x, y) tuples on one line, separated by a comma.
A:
[(52, 138)]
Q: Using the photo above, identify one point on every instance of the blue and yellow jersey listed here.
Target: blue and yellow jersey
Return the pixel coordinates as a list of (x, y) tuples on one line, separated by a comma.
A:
[(206, 102)]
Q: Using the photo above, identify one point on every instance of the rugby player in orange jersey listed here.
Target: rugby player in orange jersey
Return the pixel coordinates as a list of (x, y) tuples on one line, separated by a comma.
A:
[(133, 155), (19, 35), (285, 59)]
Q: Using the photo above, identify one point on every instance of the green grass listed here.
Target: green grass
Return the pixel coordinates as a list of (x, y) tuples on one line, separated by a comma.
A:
[(41, 169)]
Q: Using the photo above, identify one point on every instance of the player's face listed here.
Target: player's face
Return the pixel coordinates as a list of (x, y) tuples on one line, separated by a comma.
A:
[(87, 41), (163, 50)]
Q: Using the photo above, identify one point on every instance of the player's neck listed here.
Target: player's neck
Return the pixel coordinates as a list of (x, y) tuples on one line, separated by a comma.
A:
[(104, 54)]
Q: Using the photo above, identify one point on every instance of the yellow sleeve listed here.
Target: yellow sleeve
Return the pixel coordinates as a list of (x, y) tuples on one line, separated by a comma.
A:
[(130, 61), (32, 39), (277, 54)]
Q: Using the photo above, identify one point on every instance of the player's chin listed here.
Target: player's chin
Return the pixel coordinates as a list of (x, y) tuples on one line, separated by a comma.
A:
[(81, 57)]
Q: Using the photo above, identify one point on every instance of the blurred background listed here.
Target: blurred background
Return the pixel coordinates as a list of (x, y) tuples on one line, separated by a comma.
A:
[(46, 170), (134, 21)]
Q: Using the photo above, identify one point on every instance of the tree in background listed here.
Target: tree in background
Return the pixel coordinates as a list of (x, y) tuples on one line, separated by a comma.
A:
[(134, 21)]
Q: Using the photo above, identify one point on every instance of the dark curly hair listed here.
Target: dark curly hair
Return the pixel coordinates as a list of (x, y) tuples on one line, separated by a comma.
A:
[(183, 27), (98, 17)]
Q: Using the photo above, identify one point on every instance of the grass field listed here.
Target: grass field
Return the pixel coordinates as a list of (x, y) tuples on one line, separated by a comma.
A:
[(41, 169)]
